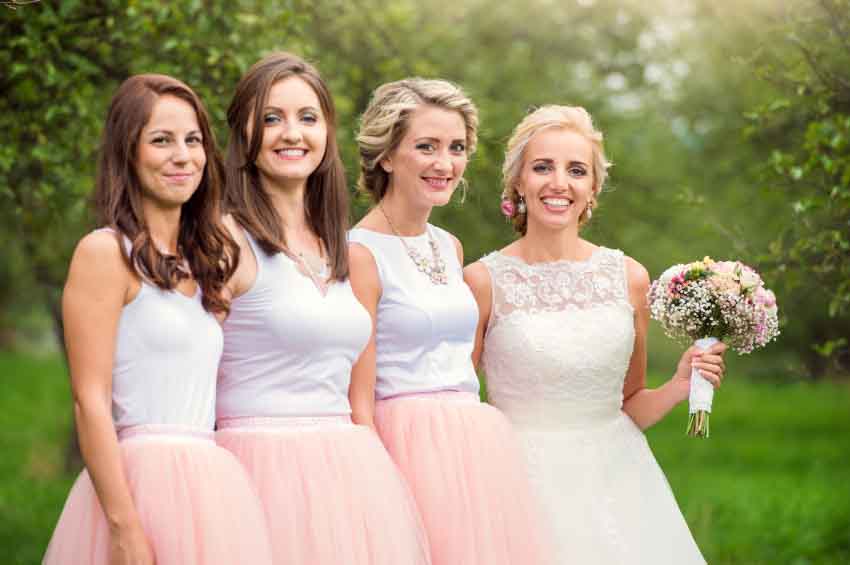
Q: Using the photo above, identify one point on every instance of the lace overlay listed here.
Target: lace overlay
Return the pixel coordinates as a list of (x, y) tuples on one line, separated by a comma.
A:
[(556, 352), (560, 336)]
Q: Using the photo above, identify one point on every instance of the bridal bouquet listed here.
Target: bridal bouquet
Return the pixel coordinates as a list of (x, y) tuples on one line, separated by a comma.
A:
[(706, 301)]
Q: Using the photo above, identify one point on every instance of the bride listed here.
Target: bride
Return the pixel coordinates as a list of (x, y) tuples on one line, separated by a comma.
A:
[(562, 339)]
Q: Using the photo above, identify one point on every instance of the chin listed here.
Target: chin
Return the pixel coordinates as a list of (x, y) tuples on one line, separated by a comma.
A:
[(440, 198)]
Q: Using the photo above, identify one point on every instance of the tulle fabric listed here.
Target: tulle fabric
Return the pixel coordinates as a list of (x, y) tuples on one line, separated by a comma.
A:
[(468, 476), (194, 500), (331, 493), (607, 499)]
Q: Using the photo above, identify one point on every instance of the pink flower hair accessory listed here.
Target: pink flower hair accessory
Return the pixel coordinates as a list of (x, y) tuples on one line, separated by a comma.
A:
[(507, 207)]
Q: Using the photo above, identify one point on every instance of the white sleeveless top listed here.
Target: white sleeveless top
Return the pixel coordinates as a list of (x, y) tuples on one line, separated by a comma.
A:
[(166, 355), (425, 332), (288, 350)]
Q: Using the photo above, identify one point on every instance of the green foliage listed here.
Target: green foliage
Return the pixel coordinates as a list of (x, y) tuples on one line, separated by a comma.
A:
[(663, 80), (808, 125)]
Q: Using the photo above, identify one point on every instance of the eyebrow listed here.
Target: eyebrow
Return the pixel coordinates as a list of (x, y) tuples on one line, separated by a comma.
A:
[(427, 138), (169, 132), (551, 160), (276, 109)]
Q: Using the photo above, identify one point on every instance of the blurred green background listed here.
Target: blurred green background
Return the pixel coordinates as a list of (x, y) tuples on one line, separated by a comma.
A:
[(728, 124)]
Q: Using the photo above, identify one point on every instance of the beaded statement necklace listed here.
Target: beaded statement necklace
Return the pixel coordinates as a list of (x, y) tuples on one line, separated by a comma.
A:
[(435, 269)]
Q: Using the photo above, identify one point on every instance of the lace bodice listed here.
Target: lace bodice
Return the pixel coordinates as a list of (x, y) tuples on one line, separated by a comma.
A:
[(559, 339)]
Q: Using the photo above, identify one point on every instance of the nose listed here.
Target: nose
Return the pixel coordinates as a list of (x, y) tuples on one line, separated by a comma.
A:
[(443, 162), (561, 180), (291, 133), (181, 153)]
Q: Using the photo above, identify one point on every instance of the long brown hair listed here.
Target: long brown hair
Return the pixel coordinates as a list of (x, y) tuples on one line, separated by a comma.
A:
[(202, 241), (326, 194)]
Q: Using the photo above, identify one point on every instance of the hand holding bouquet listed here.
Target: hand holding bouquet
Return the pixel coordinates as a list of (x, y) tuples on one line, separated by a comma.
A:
[(707, 301)]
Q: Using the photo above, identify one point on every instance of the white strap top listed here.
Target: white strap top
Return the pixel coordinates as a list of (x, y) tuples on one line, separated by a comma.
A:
[(166, 355), (425, 331), (288, 350)]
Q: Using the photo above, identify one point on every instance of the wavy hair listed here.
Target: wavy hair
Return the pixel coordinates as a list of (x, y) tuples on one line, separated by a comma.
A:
[(387, 118), (202, 241), (326, 195)]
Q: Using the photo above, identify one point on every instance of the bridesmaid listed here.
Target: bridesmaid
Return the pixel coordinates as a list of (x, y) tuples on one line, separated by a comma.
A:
[(330, 490), (459, 455), (143, 345)]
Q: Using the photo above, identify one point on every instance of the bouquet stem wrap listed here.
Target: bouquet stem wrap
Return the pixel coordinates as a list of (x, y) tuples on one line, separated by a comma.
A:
[(702, 393)]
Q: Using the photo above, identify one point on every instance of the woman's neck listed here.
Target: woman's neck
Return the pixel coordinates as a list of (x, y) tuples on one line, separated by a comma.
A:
[(288, 202), (404, 219), (541, 244), (163, 226)]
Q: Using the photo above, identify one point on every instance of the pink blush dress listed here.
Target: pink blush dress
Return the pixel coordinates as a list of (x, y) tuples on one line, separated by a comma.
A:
[(330, 491), (195, 501), (459, 455)]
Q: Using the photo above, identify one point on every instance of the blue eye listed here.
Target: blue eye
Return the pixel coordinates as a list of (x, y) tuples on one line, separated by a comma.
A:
[(577, 171), (271, 119), (541, 168), (310, 118)]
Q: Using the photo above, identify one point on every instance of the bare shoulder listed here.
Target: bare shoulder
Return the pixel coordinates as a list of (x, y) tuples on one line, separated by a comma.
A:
[(98, 265), (637, 274), (100, 250), (234, 229), (363, 274), (477, 276), (360, 257)]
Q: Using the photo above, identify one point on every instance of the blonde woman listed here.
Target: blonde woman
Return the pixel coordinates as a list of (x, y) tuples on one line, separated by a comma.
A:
[(562, 338), (458, 455)]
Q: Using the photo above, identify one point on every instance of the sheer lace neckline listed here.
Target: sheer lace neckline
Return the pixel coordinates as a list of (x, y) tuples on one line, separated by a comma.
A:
[(597, 253)]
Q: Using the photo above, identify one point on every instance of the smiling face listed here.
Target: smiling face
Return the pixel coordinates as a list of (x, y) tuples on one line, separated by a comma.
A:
[(170, 158), (556, 179), (430, 159), (295, 133)]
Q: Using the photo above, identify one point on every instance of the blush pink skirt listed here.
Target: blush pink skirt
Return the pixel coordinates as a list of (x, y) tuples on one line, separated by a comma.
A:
[(331, 493), (194, 500), (469, 477)]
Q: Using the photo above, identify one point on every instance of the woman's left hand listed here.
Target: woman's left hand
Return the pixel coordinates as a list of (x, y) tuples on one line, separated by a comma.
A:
[(709, 363)]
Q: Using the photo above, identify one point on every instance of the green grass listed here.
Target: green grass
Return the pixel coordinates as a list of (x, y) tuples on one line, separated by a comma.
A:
[(35, 422), (771, 486)]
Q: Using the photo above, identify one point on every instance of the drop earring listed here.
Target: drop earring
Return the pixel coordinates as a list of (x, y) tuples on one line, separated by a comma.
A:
[(520, 208)]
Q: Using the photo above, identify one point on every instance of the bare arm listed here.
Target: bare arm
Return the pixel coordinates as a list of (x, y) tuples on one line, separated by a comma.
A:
[(246, 272), (648, 406), (478, 279), (366, 284), (98, 286)]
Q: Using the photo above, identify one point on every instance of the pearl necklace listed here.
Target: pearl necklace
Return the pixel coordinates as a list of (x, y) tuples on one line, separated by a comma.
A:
[(434, 269)]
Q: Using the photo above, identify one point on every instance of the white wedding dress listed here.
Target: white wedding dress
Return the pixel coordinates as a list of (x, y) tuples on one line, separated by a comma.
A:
[(556, 353)]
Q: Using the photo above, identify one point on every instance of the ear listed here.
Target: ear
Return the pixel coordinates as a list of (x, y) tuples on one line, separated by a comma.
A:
[(387, 165)]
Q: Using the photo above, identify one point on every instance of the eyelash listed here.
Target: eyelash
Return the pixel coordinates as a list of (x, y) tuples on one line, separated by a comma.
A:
[(163, 140), (310, 119), (429, 147), (574, 171)]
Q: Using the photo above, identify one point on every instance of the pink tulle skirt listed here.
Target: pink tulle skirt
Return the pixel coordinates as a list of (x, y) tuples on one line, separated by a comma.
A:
[(469, 477), (194, 500), (332, 494)]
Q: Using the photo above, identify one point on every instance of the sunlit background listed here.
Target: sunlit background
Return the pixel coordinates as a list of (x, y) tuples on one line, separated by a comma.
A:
[(728, 124)]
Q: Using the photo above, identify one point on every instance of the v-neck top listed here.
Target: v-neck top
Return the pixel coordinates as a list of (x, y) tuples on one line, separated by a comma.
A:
[(289, 349), (425, 332)]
